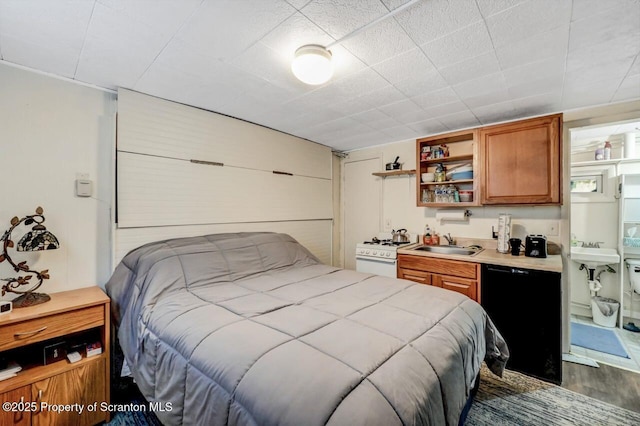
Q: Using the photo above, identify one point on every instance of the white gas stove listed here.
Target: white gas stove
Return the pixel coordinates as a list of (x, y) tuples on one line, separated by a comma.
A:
[(378, 256)]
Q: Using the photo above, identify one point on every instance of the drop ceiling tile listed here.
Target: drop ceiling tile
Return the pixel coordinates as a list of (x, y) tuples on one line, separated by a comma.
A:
[(384, 96), (399, 133), (544, 69), (257, 18), (340, 17), (459, 120), (536, 86), (534, 48), (394, 4), (262, 62), (404, 111), (606, 26), (428, 127), (445, 109), (485, 90), (429, 20), (578, 93), (60, 60), (437, 97), (383, 41), (620, 51), (635, 68), (293, 33), (527, 19), (412, 64), (427, 82), (375, 119), (471, 68), (583, 77), (350, 87), (51, 24), (542, 103), (117, 49), (351, 106), (166, 17), (361, 141), (458, 46), (586, 8), (494, 113), (491, 7), (311, 119), (298, 4)]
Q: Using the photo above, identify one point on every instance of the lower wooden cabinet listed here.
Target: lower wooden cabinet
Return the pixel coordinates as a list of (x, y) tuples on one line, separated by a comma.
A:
[(37, 392), (17, 416), (83, 385), (459, 276)]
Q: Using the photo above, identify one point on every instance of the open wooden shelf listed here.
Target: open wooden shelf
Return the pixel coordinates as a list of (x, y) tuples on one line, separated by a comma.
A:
[(457, 158), (395, 173), (453, 182)]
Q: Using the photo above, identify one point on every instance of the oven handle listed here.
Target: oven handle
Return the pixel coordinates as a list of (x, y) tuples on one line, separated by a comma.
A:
[(377, 259)]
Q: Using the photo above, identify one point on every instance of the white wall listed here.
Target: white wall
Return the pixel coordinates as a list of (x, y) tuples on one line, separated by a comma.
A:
[(51, 130)]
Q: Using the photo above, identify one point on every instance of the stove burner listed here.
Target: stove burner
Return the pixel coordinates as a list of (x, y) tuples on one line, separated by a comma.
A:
[(384, 242)]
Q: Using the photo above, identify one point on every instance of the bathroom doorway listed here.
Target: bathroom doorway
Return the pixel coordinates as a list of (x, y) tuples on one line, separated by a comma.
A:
[(600, 298)]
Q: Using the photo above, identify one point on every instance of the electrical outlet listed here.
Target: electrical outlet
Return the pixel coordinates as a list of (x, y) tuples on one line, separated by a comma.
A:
[(552, 228), (387, 225)]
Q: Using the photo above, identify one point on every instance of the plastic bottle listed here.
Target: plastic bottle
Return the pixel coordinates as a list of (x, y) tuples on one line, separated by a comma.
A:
[(435, 239), (426, 238), (607, 150)]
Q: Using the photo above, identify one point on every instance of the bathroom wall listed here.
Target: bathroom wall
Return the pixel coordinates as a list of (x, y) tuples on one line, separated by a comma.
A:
[(598, 221)]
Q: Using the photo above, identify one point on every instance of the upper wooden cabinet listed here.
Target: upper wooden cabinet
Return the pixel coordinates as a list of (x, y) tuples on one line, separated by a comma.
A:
[(521, 162)]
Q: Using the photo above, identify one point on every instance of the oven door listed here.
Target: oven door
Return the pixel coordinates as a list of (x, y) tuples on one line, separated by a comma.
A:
[(372, 265)]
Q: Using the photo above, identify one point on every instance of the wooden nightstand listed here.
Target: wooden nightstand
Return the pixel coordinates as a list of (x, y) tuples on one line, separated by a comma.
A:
[(84, 383)]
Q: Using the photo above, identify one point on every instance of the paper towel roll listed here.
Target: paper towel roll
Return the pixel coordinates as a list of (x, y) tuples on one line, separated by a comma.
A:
[(451, 215), (629, 145)]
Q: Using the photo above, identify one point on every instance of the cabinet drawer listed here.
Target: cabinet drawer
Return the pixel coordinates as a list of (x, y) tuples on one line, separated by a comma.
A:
[(417, 276), (460, 285), (438, 266), (50, 326)]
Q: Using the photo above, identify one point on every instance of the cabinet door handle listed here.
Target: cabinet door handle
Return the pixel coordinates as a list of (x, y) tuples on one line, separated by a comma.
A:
[(30, 333), (38, 400), (18, 415)]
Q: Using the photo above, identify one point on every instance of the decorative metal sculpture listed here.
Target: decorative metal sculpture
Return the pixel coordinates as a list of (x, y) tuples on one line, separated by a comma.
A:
[(35, 240)]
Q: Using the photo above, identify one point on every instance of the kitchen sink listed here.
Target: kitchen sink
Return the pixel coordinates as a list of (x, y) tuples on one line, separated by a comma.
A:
[(449, 250)]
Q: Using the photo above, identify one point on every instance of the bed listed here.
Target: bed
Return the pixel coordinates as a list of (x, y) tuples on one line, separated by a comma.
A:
[(251, 328)]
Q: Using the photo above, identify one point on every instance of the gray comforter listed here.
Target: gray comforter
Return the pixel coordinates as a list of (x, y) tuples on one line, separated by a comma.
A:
[(251, 328)]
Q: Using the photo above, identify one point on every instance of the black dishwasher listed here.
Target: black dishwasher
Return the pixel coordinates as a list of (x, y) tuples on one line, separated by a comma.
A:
[(525, 305)]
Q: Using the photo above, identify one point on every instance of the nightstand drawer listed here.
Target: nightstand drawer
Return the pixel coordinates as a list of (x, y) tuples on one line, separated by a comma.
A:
[(47, 327)]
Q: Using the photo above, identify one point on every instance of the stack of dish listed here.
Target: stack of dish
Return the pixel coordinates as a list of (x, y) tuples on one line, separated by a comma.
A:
[(462, 172)]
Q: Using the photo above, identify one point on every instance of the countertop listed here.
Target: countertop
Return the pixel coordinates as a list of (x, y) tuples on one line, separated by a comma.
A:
[(552, 263)]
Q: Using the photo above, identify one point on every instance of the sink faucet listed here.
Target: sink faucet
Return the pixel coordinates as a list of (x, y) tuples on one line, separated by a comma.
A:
[(449, 239), (593, 244)]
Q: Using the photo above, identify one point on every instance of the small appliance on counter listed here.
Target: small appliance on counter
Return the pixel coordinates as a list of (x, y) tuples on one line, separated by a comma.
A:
[(504, 232), (535, 246)]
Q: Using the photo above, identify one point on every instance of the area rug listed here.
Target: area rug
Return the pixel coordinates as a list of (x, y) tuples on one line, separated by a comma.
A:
[(517, 399), (598, 339)]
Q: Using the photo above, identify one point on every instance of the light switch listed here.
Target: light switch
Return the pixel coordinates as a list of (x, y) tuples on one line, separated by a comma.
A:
[(84, 187)]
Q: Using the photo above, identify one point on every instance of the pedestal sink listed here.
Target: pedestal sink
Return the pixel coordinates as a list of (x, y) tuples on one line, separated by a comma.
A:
[(594, 257)]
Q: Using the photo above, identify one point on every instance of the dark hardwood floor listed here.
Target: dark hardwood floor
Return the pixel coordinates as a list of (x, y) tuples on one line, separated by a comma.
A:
[(609, 384)]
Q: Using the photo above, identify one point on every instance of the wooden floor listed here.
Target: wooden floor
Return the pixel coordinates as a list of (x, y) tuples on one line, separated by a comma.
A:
[(609, 384)]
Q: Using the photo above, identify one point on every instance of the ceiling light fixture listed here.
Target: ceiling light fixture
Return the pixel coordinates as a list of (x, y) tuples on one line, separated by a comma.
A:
[(312, 64)]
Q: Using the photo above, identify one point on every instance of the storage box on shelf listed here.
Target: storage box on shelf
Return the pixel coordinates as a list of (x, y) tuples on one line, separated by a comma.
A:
[(25, 331), (454, 151)]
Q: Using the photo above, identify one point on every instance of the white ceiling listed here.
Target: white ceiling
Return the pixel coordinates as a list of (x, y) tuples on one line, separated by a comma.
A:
[(439, 65)]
